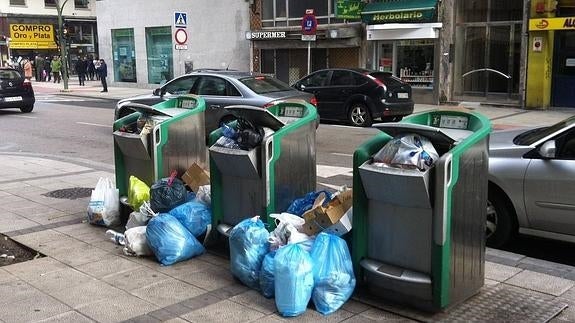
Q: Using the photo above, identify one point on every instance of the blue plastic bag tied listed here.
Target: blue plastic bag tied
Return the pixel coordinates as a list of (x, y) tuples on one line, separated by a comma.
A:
[(301, 205), (294, 276), (333, 273), (267, 280), (248, 247), (195, 216), (170, 241)]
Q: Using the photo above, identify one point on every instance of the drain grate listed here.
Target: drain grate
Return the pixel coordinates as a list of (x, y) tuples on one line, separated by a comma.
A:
[(70, 193)]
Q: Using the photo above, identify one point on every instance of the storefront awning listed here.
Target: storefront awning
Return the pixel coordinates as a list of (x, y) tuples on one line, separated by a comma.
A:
[(403, 31), (387, 11)]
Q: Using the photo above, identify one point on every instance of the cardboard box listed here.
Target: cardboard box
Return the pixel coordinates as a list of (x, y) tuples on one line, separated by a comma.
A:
[(195, 177), (342, 226), (321, 217)]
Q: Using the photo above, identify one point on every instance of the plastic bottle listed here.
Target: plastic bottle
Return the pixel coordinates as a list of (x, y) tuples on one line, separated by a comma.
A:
[(116, 237)]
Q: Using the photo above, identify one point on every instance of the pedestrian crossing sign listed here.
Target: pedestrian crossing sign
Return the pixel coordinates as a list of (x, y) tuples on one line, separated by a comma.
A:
[(180, 19)]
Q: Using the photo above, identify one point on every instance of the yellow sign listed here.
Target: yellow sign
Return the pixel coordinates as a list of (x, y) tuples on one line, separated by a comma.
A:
[(563, 23), (32, 36)]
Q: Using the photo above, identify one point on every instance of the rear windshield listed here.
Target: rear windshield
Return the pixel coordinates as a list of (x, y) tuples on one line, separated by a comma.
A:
[(9, 75), (264, 84), (387, 78)]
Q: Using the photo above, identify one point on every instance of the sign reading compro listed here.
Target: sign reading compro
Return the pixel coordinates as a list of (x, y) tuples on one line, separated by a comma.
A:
[(32, 36), (563, 23)]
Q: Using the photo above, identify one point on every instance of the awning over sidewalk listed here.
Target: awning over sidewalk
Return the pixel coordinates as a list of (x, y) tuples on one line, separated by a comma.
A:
[(399, 11)]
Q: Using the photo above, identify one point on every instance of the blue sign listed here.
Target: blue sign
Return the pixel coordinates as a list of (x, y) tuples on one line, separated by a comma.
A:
[(180, 19)]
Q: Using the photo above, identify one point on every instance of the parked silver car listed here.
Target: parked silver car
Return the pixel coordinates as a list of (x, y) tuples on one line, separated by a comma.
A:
[(532, 183), (221, 89)]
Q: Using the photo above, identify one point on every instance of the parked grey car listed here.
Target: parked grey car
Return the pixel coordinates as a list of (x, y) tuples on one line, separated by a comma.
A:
[(532, 183), (221, 89)]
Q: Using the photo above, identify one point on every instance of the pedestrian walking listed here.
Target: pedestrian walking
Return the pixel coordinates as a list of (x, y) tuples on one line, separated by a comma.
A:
[(48, 69), (56, 67), (91, 69), (81, 71), (39, 65), (27, 65), (103, 72), (96, 67)]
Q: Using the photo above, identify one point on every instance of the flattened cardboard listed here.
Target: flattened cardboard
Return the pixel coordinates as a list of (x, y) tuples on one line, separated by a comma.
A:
[(195, 177), (321, 217)]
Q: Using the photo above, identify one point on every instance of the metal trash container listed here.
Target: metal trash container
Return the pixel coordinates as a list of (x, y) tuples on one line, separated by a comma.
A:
[(419, 236), (266, 179), (175, 141)]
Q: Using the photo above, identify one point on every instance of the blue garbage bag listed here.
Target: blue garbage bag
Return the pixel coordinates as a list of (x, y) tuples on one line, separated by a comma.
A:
[(267, 275), (170, 241), (248, 247), (195, 216), (333, 273), (294, 279), (301, 205)]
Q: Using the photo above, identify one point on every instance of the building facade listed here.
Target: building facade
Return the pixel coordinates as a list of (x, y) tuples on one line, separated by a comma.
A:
[(30, 29), (148, 42)]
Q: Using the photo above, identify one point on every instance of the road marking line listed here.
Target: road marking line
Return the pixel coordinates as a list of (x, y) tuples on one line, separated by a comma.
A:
[(94, 124), (25, 117), (326, 171), (342, 154)]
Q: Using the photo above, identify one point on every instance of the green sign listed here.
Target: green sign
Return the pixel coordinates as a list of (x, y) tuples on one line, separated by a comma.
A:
[(348, 9), (405, 11), (401, 16)]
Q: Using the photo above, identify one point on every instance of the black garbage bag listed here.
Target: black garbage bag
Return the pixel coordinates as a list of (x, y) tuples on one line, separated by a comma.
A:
[(167, 193), (249, 135)]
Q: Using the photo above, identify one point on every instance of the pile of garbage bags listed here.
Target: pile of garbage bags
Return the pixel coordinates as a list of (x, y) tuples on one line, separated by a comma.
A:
[(244, 135), (167, 220), (305, 267)]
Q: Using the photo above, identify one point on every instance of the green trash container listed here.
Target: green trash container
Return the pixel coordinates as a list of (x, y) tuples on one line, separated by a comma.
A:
[(419, 236), (175, 141), (266, 179)]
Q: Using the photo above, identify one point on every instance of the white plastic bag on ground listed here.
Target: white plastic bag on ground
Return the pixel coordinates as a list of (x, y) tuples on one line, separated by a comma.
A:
[(137, 242), (287, 230), (104, 206), (204, 195), (408, 151)]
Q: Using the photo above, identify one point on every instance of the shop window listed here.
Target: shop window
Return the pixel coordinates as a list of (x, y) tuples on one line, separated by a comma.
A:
[(489, 10), (159, 54), (507, 10), (17, 2), (81, 4), (415, 62), (289, 12), (50, 3), (124, 55)]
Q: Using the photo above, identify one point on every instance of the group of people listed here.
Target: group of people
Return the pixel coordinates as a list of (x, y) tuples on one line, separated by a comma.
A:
[(87, 68)]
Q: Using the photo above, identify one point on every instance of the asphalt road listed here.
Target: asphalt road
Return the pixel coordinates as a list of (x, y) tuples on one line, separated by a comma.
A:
[(82, 128)]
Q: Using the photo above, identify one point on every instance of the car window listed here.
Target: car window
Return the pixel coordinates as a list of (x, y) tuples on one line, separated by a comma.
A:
[(211, 85), (388, 79), (567, 146), (9, 75), (181, 85), (265, 84), (316, 79), (529, 137), (342, 78)]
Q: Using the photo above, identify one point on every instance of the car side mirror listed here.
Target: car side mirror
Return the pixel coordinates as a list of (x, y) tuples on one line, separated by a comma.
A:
[(547, 150), (300, 87), (159, 92)]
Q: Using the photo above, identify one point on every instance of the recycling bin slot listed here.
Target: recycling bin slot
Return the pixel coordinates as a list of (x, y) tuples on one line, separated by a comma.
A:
[(397, 186), (237, 162), (133, 144)]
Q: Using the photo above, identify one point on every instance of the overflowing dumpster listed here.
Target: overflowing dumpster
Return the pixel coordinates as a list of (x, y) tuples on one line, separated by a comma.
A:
[(419, 232)]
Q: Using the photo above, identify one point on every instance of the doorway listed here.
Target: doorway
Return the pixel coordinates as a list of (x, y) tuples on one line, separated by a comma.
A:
[(563, 80)]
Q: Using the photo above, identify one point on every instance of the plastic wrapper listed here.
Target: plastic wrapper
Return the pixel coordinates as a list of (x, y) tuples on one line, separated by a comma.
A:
[(227, 143), (333, 273), (138, 193), (104, 206), (136, 242), (204, 195), (286, 231), (301, 205), (167, 193), (194, 216), (408, 151), (170, 241), (294, 280), (267, 281), (248, 247)]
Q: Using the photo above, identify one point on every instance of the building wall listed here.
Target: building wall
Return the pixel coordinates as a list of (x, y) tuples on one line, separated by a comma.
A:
[(36, 7), (216, 32)]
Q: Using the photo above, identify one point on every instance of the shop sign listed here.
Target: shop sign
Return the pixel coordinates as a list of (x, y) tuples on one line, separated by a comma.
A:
[(255, 35), (32, 36), (563, 23), (349, 9), (401, 16)]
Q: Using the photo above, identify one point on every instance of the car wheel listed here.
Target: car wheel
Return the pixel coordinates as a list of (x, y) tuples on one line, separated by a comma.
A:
[(27, 109), (359, 115), (501, 224)]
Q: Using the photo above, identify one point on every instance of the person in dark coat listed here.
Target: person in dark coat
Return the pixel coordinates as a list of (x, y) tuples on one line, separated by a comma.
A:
[(48, 69), (91, 69), (103, 72), (81, 70)]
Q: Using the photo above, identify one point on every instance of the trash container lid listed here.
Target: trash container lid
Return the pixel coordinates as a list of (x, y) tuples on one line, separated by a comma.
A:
[(258, 116), (147, 109), (432, 133)]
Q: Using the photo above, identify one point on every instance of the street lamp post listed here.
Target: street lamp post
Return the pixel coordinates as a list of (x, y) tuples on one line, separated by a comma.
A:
[(63, 49)]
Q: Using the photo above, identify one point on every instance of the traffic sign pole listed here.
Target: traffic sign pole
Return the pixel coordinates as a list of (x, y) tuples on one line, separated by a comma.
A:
[(308, 29)]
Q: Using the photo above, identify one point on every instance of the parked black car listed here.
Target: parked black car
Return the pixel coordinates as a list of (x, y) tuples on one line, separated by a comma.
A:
[(220, 89), (358, 95), (15, 91)]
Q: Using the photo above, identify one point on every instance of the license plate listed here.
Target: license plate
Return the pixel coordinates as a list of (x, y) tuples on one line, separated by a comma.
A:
[(403, 95), (13, 99)]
